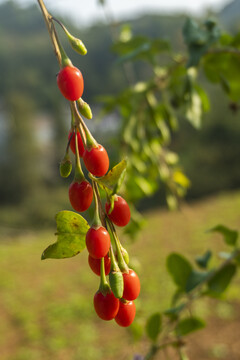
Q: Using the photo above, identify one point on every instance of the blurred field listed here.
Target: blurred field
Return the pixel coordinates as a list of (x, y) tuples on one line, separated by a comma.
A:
[(46, 306)]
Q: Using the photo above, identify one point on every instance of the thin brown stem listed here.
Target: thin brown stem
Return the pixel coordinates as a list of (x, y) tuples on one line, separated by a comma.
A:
[(51, 29)]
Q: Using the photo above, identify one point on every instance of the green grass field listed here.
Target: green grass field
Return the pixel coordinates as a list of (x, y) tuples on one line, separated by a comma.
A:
[(46, 306)]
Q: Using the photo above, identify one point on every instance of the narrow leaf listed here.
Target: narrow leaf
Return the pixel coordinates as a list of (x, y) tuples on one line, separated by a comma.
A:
[(230, 236), (203, 260), (71, 233), (114, 178), (188, 325), (153, 326), (179, 268)]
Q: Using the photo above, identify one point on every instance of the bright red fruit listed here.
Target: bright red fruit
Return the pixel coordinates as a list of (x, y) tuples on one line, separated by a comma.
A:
[(98, 242), (131, 285), (95, 264), (80, 195), (96, 160), (73, 145), (106, 306), (126, 313), (120, 214), (70, 82)]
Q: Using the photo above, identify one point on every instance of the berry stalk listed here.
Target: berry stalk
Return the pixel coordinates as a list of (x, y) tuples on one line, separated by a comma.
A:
[(51, 30)]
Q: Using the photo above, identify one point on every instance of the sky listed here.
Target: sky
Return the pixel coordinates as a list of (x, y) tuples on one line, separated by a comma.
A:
[(88, 11)]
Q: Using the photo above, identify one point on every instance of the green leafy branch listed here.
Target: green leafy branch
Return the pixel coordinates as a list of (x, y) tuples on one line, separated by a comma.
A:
[(170, 328)]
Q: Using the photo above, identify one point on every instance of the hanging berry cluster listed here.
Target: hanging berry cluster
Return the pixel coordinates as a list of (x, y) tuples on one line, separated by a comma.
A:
[(119, 285)]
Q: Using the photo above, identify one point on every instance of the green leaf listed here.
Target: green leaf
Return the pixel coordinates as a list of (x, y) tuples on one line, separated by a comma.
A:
[(71, 233), (220, 281), (136, 330), (203, 260), (140, 48), (224, 68), (188, 325), (114, 178), (204, 98), (179, 268), (196, 278), (199, 38), (154, 326), (173, 312), (230, 236), (194, 109)]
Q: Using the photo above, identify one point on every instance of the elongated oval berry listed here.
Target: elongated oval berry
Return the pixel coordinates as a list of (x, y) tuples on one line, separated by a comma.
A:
[(120, 214), (70, 83), (132, 285), (95, 264), (80, 195), (96, 160), (126, 313), (106, 306), (73, 144), (98, 242)]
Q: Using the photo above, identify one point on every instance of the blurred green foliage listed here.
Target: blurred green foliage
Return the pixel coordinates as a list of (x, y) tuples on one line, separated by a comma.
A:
[(28, 88)]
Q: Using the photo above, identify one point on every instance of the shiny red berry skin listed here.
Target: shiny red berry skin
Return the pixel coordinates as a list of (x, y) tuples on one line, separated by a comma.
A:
[(95, 264), (106, 306), (126, 313), (80, 195), (98, 242), (70, 83), (96, 160), (80, 143), (131, 285), (120, 214)]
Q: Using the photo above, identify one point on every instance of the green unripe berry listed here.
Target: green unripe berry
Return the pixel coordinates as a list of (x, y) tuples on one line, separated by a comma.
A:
[(65, 167), (125, 255), (116, 283), (84, 109)]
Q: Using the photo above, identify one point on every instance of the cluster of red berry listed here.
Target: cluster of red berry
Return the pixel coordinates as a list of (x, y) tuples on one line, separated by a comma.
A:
[(107, 257)]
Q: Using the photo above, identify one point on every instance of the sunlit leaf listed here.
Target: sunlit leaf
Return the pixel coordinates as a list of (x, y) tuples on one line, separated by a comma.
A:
[(114, 178), (71, 233)]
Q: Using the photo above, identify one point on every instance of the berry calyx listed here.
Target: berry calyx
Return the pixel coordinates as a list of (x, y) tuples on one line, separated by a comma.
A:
[(95, 264), (80, 195), (70, 83), (96, 160), (73, 143), (106, 306), (126, 313), (131, 285), (98, 242), (120, 214)]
